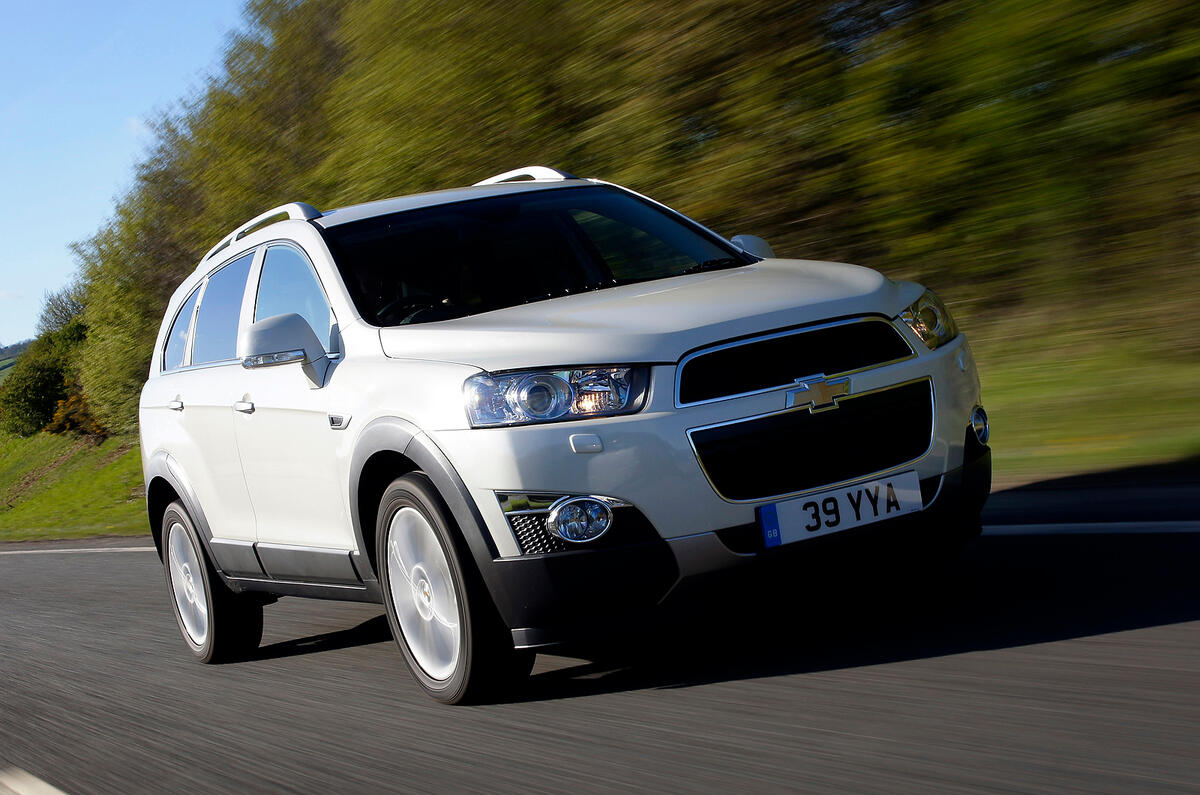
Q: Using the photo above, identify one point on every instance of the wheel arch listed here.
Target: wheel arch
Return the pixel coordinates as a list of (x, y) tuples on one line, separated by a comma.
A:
[(166, 483), (388, 448)]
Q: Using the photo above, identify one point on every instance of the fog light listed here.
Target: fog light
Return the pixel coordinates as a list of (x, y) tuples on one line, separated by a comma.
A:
[(579, 519), (979, 424)]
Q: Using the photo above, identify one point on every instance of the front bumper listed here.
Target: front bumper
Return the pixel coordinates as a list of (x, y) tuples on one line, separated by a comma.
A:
[(569, 596)]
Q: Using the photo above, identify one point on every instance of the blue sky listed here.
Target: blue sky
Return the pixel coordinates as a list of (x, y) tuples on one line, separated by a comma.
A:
[(81, 78)]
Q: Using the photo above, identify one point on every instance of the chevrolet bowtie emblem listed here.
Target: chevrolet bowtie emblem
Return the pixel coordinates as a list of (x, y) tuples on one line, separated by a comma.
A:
[(818, 394)]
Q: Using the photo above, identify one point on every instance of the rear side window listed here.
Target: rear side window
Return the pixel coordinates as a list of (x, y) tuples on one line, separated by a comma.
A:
[(215, 338), (176, 345), (288, 285)]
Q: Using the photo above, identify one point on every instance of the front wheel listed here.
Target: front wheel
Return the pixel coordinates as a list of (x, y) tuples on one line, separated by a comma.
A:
[(217, 624), (438, 609)]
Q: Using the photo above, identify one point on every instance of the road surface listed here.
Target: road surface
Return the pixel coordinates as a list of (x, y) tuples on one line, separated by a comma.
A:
[(1043, 661)]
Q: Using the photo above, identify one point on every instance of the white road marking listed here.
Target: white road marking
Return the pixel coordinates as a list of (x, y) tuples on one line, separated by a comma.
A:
[(74, 551), (16, 781), (1090, 528)]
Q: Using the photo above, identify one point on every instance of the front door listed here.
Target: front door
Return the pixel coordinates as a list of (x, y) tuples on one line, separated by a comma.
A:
[(286, 441)]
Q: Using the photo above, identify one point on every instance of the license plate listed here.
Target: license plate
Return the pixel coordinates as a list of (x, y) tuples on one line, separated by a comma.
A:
[(840, 509)]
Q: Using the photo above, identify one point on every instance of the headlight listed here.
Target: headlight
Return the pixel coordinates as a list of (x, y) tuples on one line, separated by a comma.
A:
[(525, 397), (931, 321)]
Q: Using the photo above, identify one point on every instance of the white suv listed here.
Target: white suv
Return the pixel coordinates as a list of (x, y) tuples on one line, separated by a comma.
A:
[(512, 411)]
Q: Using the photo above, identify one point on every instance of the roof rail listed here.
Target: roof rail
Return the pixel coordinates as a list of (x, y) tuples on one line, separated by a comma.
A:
[(528, 172), (295, 211)]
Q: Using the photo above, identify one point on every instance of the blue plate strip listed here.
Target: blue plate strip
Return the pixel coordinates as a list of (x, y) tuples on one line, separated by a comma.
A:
[(768, 518)]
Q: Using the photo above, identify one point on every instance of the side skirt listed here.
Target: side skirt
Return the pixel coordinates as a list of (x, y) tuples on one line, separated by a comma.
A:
[(368, 592)]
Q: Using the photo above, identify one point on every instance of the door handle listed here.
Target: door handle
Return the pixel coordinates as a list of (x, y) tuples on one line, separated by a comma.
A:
[(175, 405), (244, 406)]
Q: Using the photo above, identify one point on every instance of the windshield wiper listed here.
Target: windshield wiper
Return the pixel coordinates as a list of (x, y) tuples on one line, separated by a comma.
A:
[(714, 265)]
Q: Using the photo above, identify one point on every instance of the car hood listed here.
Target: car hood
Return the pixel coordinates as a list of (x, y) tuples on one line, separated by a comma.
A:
[(656, 321)]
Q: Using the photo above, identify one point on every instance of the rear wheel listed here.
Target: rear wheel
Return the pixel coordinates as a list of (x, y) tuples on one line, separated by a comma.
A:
[(217, 624), (439, 611)]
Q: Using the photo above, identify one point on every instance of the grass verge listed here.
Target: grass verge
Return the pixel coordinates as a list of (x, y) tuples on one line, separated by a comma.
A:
[(67, 487), (1084, 400)]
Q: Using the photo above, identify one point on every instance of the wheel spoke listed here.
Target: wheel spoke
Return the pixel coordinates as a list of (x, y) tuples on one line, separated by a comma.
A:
[(423, 594), (187, 583), (405, 544)]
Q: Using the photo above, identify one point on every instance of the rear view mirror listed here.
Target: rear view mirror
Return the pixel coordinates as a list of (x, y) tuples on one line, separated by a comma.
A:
[(284, 339), (753, 245)]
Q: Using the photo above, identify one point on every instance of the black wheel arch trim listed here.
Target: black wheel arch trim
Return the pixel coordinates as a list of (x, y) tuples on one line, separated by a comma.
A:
[(162, 466), (392, 434)]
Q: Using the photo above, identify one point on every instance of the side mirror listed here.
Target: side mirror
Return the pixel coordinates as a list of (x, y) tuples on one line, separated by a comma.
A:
[(284, 339), (753, 245)]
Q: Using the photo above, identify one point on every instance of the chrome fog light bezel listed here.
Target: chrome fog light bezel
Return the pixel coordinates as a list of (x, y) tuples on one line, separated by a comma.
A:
[(979, 424), (558, 507)]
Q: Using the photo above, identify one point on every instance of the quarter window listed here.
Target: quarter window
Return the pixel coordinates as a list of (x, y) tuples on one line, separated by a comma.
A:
[(288, 285), (177, 340), (215, 339)]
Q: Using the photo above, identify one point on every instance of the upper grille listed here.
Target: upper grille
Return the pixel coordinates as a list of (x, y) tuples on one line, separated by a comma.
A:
[(797, 450), (780, 359)]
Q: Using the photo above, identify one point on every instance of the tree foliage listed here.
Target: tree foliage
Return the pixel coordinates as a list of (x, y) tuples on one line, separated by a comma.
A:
[(1041, 149), (60, 307), (38, 381)]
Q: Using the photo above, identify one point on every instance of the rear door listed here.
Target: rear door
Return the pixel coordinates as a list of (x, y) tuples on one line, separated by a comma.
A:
[(195, 397)]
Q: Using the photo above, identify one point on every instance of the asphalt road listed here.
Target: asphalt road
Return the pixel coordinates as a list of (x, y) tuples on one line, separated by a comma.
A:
[(1040, 662)]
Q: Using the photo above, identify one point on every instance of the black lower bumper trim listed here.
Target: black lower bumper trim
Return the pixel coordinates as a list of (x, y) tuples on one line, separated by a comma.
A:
[(544, 596), (552, 598)]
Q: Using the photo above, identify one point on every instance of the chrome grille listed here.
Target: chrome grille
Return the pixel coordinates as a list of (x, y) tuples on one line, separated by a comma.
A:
[(771, 361)]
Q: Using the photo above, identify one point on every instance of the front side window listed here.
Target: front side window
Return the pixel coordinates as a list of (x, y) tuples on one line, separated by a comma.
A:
[(288, 285), (215, 338), (176, 345), (459, 259)]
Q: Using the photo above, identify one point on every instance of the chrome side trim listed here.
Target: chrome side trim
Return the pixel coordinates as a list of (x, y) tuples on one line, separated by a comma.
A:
[(938, 493), (799, 377), (508, 499), (824, 486)]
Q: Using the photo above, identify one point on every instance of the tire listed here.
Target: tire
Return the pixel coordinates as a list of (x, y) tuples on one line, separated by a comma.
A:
[(217, 624), (438, 608)]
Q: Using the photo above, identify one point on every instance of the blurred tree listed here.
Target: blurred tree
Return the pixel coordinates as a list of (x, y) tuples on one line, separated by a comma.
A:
[(1044, 149), (60, 307), (30, 393)]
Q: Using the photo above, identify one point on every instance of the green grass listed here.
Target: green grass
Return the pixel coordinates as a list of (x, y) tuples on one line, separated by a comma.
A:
[(6, 368), (65, 487), (1083, 400)]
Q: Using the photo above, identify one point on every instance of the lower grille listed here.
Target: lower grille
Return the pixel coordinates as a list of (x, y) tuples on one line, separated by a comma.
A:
[(795, 451), (629, 526), (532, 535)]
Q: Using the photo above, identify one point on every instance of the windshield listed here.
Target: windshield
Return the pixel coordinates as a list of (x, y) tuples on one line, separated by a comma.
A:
[(460, 259)]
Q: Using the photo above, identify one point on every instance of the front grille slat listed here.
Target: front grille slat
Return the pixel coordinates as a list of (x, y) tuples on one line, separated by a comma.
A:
[(795, 451), (780, 359)]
